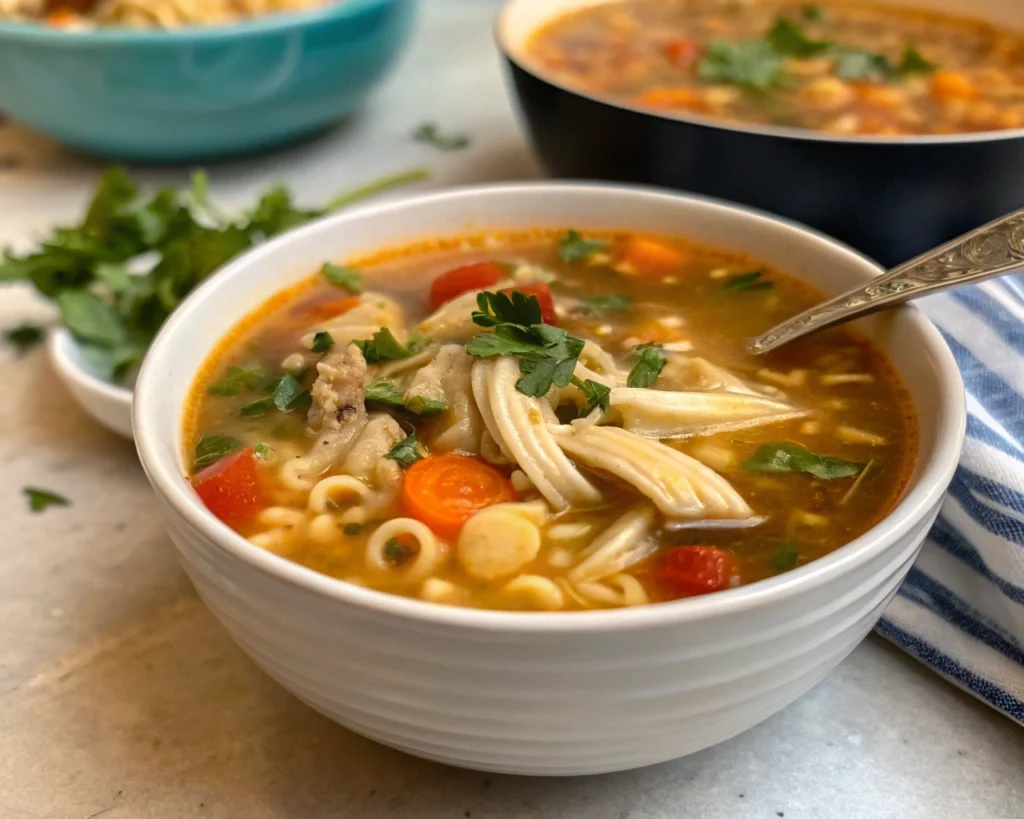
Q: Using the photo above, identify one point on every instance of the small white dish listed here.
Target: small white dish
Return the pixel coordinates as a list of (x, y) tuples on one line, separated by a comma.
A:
[(110, 404)]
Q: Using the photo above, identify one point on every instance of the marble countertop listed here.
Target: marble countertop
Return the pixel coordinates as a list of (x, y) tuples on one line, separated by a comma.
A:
[(120, 695)]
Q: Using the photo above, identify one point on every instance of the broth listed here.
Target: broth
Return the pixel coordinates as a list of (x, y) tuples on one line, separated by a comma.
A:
[(834, 406), (839, 67)]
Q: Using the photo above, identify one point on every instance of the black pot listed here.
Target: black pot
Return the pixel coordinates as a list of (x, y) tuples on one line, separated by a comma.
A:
[(891, 198)]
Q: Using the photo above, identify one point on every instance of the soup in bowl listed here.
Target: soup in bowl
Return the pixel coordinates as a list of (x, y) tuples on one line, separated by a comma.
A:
[(451, 488)]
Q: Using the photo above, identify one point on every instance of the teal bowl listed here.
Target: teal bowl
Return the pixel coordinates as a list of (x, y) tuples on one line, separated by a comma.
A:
[(200, 93)]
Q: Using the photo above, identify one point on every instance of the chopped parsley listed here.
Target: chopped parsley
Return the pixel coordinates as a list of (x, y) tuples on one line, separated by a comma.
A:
[(507, 308), (352, 529), (385, 391), (41, 499), (648, 362), (913, 63), (426, 407), (211, 448), (607, 304), (785, 559), (752, 63), (24, 337), (322, 342), (429, 133), (257, 408), (745, 282), (789, 39), (262, 451), (398, 552), (347, 278), (595, 393), (574, 248), (178, 237), (406, 452), (788, 457), (813, 13), (383, 347), (237, 380), (289, 394)]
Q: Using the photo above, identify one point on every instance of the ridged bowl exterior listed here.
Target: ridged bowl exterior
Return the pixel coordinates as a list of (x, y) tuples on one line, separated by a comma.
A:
[(200, 93), (542, 693)]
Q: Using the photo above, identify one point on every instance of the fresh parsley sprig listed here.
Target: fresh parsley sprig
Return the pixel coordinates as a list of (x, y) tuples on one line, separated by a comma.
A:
[(648, 362)]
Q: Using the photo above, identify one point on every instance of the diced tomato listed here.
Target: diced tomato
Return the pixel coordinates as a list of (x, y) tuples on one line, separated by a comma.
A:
[(231, 488), (333, 308), (543, 294), (684, 53), (461, 280), (693, 570)]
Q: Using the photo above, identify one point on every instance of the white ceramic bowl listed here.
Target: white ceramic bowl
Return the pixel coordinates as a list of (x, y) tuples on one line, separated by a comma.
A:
[(109, 404), (543, 693)]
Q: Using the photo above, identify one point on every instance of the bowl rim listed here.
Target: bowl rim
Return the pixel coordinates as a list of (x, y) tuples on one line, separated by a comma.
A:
[(60, 343), (276, 23), (509, 51), (166, 473)]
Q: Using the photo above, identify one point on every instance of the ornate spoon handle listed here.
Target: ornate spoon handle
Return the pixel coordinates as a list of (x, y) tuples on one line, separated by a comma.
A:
[(991, 250)]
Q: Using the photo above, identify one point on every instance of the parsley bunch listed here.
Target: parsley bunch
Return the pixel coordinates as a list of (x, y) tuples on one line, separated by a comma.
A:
[(178, 238)]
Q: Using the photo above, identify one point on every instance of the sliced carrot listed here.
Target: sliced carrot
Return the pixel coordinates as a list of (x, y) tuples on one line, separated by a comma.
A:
[(544, 299), (333, 308), (951, 85), (62, 18), (684, 53), (231, 488), (650, 256), (687, 98), (442, 491), (461, 280)]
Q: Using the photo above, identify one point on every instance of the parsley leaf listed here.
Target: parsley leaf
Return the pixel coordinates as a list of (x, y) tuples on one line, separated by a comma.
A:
[(787, 457), (507, 308), (427, 407), (211, 448), (398, 552), (262, 451), (574, 248), (352, 529), (595, 393), (406, 452), (787, 38), (752, 63), (913, 63), (744, 282), (347, 278), (40, 499), (24, 337), (382, 347), (257, 408), (90, 318), (237, 380), (648, 362), (385, 391), (607, 304), (813, 13), (429, 133), (857, 64), (289, 394), (785, 559), (322, 342)]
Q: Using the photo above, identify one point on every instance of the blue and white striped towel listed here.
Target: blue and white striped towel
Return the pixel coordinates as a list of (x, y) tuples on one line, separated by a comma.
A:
[(961, 608)]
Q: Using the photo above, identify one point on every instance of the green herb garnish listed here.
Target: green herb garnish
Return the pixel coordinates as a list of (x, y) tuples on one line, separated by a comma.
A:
[(595, 393), (237, 380), (813, 13), (211, 448), (503, 308), (785, 559), (648, 362), (427, 407), (752, 63), (24, 337), (429, 133), (789, 39), (289, 394), (607, 304), (322, 342), (913, 63), (787, 457), (257, 408), (745, 282), (347, 278), (857, 64), (179, 237), (574, 248), (352, 529), (382, 347), (41, 499), (262, 451), (398, 552), (406, 452), (385, 391)]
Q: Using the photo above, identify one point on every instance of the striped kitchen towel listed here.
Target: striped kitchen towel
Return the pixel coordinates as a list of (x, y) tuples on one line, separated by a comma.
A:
[(961, 608)]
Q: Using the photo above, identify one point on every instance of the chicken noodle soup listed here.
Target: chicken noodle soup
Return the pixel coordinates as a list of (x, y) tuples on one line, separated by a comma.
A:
[(553, 421), (148, 13), (840, 67)]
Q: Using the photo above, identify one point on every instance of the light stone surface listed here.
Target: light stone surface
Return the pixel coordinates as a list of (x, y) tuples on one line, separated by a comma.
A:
[(120, 695)]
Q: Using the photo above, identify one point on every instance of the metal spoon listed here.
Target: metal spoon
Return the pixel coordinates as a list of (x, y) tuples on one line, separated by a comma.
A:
[(991, 250)]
